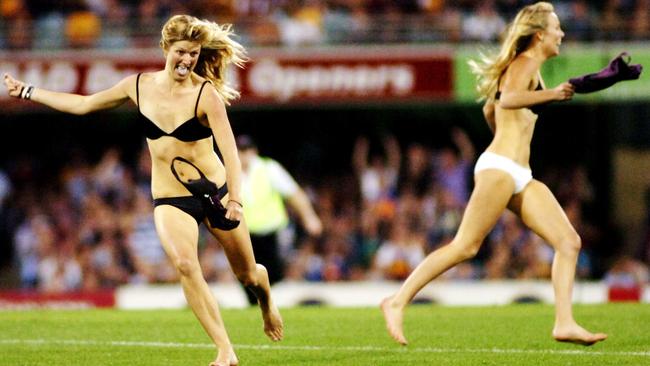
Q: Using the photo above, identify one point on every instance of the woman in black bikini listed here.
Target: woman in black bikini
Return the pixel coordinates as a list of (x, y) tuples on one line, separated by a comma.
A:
[(514, 92), (189, 183)]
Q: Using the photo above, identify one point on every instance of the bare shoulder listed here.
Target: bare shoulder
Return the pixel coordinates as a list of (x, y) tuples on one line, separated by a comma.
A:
[(211, 103), (211, 95), (523, 65), (521, 73), (128, 85)]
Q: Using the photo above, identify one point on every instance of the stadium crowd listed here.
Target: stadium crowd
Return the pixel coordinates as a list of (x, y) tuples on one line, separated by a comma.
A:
[(118, 24), (91, 225)]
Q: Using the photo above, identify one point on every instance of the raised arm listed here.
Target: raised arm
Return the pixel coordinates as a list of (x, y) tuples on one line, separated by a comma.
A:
[(68, 102), (393, 153), (521, 78), (360, 154), (463, 143)]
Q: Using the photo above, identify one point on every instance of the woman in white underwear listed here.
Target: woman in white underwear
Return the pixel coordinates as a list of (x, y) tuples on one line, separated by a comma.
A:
[(514, 92)]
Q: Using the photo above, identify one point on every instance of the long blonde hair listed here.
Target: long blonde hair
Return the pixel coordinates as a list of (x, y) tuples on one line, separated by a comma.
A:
[(218, 49), (518, 37)]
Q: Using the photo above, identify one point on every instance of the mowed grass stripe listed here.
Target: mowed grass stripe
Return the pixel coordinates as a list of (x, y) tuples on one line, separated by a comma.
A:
[(73, 342)]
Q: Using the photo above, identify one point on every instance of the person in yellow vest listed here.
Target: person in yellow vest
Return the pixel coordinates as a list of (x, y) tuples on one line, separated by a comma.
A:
[(267, 189)]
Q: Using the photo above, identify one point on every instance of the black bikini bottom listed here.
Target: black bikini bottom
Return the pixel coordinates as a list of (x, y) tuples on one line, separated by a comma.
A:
[(194, 207)]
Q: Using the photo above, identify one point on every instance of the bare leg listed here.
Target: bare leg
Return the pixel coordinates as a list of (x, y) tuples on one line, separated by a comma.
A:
[(239, 250), (491, 194), (178, 233), (541, 212)]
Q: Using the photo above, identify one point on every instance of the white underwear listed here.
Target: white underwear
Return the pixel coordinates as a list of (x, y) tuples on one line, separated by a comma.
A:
[(489, 160)]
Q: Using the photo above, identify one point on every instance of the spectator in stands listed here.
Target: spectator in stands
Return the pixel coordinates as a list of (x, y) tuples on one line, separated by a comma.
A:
[(514, 92), (302, 23), (453, 166), (267, 190), (401, 252), (196, 53), (377, 175), (485, 24)]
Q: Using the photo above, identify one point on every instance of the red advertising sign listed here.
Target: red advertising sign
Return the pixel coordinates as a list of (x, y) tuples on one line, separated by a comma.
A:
[(339, 75), (30, 299)]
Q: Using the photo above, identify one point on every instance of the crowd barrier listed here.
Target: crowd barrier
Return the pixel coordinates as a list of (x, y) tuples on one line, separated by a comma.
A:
[(360, 294), (340, 294)]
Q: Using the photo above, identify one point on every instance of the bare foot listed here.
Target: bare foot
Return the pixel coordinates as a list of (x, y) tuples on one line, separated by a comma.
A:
[(273, 326), (230, 361), (578, 335), (393, 316)]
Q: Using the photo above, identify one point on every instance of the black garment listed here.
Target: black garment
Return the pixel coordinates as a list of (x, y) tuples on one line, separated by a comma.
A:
[(208, 196), (190, 130), (617, 70), (188, 204), (194, 207), (266, 249)]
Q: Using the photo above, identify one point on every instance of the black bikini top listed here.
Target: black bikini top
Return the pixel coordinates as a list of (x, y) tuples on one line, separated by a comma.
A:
[(188, 131), (537, 108)]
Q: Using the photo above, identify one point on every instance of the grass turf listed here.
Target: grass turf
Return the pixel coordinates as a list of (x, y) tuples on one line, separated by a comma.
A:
[(503, 335)]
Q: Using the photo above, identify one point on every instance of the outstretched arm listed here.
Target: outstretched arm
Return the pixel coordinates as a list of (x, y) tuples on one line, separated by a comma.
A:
[(517, 84), (68, 102)]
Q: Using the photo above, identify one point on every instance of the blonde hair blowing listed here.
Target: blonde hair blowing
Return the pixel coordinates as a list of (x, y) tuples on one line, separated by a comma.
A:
[(218, 49), (519, 35)]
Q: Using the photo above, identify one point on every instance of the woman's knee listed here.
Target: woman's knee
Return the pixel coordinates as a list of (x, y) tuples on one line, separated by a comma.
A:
[(467, 250), (186, 266), (570, 244)]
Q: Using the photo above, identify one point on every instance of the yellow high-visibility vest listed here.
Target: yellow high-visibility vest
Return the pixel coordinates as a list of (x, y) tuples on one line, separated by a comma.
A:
[(264, 208)]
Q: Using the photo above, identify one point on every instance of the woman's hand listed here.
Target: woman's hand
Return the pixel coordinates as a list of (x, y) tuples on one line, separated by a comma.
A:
[(234, 210), (564, 91), (14, 87)]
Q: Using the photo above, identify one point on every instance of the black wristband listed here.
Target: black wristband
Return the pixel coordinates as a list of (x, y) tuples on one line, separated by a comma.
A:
[(28, 93)]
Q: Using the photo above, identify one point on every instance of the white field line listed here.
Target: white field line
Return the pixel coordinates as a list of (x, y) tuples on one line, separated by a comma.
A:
[(73, 342)]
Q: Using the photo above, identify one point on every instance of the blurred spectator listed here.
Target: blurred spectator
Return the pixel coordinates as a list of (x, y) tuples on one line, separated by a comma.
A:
[(579, 22), (19, 25), (485, 24), (400, 253), (145, 250), (121, 23), (114, 28), (28, 238), (453, 169), (377, 175), (613, 24), (58, 269), (302, 24), (82, 29), (640, 27), (416, 174)]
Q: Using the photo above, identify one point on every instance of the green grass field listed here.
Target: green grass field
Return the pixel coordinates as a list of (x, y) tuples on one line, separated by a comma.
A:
[(508, 335)]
